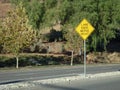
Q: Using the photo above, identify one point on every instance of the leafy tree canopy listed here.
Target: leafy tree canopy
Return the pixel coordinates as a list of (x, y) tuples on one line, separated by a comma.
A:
[(16, 32), (104, 15)]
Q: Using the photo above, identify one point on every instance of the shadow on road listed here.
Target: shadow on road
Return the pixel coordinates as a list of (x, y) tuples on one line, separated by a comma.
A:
[(10, 82), (56, 87)]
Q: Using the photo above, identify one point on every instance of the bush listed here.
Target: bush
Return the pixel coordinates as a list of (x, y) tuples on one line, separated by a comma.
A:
[(6, 61), (36, 60)]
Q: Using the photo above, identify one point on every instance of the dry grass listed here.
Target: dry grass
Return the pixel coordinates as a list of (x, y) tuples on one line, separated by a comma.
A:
[(32, 54)]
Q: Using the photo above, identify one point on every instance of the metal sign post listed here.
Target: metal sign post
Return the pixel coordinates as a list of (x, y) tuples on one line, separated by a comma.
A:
[(85, 58)]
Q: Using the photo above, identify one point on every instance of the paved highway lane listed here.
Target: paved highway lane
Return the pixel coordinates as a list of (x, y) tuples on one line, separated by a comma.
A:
[(52, 72)]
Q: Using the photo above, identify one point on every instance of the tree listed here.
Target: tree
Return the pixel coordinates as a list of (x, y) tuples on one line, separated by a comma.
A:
[(104, 23), (66, 11), (74, 42), (0, 32), (35, 10), (1, 37), (102, 14), (16, 32)]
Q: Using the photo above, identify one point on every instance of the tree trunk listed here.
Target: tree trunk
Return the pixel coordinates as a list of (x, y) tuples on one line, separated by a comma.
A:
[(17, 62), (71, 58)]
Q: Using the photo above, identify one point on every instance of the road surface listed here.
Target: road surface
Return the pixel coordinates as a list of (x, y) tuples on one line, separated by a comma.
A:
[(104, 83), (13, 76)]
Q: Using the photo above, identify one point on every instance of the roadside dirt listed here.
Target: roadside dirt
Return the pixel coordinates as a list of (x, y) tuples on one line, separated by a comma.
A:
[(103, 57), (4, 8)]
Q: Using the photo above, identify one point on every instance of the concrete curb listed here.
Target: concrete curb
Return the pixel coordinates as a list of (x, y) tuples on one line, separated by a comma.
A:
[(56, 80)]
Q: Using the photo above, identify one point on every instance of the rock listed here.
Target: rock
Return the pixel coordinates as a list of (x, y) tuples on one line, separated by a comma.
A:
[(103, 57), (114, 57)]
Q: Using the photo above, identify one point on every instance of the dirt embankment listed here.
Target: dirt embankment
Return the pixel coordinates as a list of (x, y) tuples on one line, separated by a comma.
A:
[(103, 57), (4, 8)]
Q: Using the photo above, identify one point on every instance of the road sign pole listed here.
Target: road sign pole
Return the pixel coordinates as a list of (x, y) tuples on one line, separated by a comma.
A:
[(84, 29), (85, 58)]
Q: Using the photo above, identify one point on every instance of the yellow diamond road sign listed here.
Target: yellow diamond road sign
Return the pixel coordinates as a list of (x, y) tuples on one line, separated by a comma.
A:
[(84, 29)]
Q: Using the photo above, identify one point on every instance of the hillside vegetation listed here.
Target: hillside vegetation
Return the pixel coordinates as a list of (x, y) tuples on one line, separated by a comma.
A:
[(104, 15), (54, 23)]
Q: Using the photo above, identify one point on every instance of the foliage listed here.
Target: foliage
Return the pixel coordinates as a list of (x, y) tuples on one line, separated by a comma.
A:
[(74, 42), (66, 11), (1, 37), (105, 24), (54, 35), (36, 60), (0, 32), (102, 14), (35, 12), (17, 33)]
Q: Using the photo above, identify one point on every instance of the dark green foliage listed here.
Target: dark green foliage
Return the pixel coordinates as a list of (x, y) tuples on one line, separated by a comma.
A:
[(50, 4), (104, 15), (36, 60), (55, 36), (7, 62), (35, 12), (104, 23), (66, 10)]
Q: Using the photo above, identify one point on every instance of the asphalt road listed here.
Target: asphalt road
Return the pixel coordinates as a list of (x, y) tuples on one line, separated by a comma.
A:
[(104, 83), (13, 76)]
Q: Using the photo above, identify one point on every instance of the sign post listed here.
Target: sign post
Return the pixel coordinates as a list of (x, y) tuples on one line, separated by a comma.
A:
[(84, 29), (85, 58)]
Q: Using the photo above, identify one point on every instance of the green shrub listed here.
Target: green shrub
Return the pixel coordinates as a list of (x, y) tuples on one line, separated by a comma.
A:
[(36, 60)]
